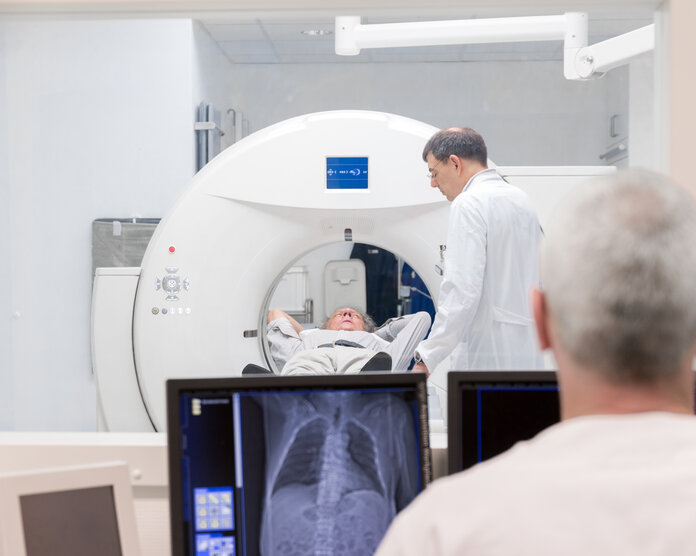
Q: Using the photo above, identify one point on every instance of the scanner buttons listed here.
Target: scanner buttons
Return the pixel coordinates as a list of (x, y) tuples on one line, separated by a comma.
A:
[(172, 284)]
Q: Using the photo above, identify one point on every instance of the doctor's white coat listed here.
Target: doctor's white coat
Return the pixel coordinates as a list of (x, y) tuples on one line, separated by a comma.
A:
[(491, 265)]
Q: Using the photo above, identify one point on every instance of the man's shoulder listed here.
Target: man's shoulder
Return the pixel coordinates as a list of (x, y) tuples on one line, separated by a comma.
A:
[(486, 188), (480, 477), (439, 512), (497, 198)]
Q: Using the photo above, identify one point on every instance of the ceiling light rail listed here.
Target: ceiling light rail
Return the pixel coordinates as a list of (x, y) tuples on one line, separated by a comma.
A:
[(581, 61)]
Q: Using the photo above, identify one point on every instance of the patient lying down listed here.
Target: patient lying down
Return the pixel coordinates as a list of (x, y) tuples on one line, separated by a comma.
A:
[(344, 344)]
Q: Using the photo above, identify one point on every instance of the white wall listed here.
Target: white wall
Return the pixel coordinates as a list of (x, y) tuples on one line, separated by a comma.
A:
[(5, 284), (528, 112), (642, 149), (99, 123)]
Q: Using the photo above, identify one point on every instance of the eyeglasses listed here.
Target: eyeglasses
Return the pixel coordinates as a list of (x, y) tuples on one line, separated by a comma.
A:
[(432, 173)]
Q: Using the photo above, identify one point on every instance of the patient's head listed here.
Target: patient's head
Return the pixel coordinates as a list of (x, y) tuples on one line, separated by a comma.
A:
[(349, 319)]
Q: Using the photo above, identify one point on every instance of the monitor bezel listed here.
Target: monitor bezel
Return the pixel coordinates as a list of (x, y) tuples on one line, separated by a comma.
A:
[(14, 485), (175, 387), (455, 378)]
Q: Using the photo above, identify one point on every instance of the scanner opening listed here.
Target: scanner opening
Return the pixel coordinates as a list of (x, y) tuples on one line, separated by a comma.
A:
[(392, 287)]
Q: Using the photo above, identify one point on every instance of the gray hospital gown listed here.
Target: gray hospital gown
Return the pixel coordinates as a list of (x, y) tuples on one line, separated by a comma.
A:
[(398, 337)]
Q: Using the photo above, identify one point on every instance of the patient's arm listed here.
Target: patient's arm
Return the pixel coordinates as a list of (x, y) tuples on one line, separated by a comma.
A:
[(274, 314), (417, 322), (283, 334), (404, 333)]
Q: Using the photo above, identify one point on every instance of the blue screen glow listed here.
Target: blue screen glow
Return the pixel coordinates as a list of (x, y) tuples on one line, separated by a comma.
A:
[(346, 172)]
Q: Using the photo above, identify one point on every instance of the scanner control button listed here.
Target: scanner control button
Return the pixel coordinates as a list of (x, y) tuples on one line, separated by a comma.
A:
[(171, 283)]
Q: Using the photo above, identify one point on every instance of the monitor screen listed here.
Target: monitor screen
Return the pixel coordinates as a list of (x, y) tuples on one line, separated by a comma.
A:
[(79, 510), (271, 465), (489, 411), (89, 526), (346, 172)]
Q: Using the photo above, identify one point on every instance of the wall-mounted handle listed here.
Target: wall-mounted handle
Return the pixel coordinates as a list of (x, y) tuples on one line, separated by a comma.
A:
[(613, 126)]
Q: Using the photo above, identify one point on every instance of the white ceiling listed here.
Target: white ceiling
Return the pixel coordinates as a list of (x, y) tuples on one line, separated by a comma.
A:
[(278, 39), (270, 31)]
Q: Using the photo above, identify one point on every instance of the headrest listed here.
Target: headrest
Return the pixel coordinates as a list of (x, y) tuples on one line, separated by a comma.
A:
[(344, 286)]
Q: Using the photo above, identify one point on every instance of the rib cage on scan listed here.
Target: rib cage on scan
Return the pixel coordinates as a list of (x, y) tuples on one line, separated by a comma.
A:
[(331, 482)]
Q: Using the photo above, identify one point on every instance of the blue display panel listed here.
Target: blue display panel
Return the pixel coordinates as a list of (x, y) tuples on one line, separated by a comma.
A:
[(214, 545), (213, 507), (346, 172)]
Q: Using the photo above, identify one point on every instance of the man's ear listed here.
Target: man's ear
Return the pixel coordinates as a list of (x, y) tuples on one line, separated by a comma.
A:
[(541, 317), (456, 161)]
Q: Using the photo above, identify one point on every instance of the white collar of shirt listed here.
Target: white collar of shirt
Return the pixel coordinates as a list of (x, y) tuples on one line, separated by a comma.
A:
[(476, 175)]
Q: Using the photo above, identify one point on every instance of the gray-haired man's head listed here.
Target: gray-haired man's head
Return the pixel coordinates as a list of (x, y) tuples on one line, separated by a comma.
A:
[(618, 270), (348, 318)]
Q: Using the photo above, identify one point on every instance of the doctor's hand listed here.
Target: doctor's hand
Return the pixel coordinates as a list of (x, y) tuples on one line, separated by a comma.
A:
[(420, 368)]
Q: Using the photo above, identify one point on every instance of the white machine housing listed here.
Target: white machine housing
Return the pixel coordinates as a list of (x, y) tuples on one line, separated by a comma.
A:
[(198, 306)]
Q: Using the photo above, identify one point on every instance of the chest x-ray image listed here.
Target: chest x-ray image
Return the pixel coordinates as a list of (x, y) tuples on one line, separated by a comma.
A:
[(338, 467)]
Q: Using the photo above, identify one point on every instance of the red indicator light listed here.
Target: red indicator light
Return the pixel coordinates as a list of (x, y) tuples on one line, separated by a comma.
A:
[(172, 249)]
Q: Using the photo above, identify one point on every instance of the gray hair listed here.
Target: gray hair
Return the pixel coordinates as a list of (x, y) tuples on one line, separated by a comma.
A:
[(463, 142), (368, 321), (618, 268)]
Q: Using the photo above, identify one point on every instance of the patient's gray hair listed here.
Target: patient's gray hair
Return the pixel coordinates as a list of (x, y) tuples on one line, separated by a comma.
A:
[(368, 321), (618, 268)]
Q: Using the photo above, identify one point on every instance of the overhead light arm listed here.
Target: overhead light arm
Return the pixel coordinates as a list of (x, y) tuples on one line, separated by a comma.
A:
[(352, 35), (580, 61), (596, 60)]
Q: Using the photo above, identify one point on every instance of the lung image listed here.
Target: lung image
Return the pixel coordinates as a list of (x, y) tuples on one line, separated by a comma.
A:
[(338, 467)]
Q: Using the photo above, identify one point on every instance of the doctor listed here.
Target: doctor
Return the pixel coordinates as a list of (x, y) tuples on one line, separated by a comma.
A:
[(490, 263)]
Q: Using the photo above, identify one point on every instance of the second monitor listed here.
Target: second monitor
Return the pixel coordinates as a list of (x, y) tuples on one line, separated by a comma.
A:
[(489, 411)]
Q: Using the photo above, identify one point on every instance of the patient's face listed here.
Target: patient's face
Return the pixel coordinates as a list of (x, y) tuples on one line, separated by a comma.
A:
[(346, 319)]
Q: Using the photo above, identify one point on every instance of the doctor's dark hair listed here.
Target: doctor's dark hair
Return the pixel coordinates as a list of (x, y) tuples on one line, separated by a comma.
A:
[(618, 268), (368, 322), (463, 142)]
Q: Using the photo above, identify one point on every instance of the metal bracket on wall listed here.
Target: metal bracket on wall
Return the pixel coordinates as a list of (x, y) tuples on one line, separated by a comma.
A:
[(207, 126), (617, 150)]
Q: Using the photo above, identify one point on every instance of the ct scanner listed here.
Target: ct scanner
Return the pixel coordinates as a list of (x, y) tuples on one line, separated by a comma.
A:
[(197, 306)]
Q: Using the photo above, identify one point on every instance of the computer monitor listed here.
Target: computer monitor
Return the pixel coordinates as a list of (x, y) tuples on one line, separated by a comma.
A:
[(272, 465), (489, 411), (80, 510)]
